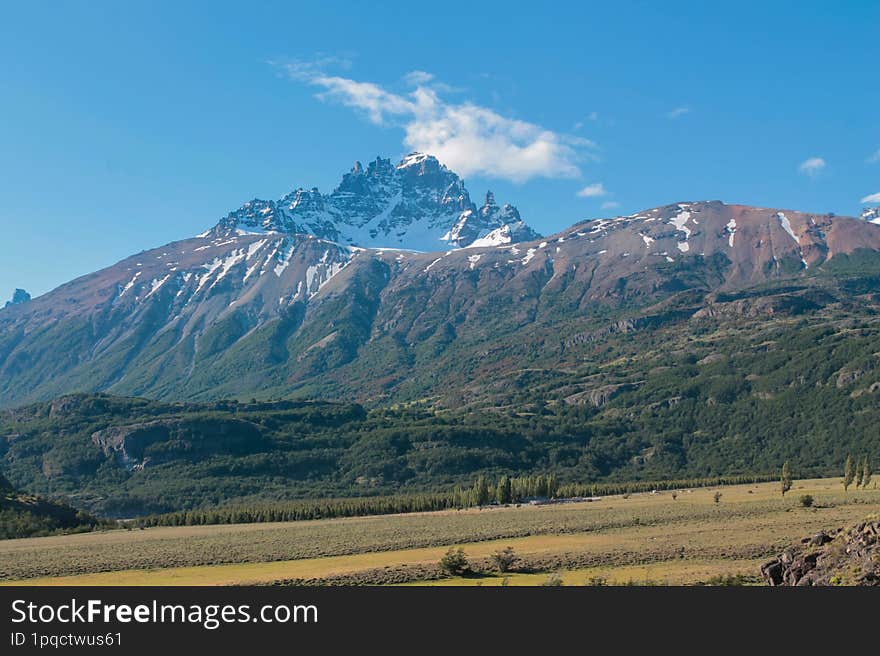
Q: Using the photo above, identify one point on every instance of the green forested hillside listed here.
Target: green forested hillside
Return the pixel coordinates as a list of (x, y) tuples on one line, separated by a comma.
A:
[(707, 396), (24, 515)]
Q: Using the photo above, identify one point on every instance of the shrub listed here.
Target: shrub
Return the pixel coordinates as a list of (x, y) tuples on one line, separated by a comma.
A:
[(505, 559), (729, 580), (554, 580), (806, 500), (455, 563), (717, 497)]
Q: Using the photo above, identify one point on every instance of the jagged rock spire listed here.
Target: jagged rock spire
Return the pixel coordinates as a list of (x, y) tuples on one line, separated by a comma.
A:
[(18, 296)]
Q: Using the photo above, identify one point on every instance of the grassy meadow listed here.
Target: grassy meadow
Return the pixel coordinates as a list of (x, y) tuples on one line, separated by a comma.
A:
[(639, 538)]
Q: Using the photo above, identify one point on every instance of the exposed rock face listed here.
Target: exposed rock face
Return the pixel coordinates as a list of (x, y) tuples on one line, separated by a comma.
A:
[(599, 396), (841, 557), (139, 445), (19, 296), (785, 304)]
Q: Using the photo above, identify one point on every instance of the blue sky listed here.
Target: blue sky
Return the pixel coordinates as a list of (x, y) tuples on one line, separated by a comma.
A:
[(127, 125)]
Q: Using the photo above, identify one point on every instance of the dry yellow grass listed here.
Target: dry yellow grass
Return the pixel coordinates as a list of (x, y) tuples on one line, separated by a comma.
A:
[(642, 537)]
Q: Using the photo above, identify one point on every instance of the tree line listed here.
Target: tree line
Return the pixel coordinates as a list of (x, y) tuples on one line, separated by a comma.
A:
[(484, 491)]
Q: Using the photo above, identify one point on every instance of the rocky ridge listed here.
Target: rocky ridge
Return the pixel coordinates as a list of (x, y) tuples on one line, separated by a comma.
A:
[(418, 204), (839, 557)]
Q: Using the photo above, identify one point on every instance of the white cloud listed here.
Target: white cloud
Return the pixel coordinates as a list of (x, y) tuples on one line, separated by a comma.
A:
[(812, 166), (306, 69), (678, 112), (873, 159), (873, 198), (465, 136), (371, 98), (416, 78), (594, 190), (610, 205)]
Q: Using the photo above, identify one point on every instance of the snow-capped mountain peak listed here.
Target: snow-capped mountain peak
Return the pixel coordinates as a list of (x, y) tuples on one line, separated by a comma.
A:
[(416, 159), (419, 204)]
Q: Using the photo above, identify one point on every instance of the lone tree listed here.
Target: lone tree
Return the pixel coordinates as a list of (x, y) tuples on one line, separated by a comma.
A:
[(849, 473), (786, 477), (866, 473), (455, 563), (505, 559)]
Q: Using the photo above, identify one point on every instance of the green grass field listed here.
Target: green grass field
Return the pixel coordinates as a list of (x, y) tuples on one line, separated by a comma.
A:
[(646, 538)]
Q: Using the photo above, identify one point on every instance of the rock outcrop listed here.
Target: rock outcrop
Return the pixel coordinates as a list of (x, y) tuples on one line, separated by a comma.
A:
[(841, 557), (19, 296), (151, 443)]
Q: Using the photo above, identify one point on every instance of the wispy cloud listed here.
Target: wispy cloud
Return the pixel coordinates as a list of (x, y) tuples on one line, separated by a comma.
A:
[(418, 77), (594, 190), (873, 159), (305, 69), (467, 137), (812, 166), (610, 205), (873, 198), (678, 112), (592, 116)]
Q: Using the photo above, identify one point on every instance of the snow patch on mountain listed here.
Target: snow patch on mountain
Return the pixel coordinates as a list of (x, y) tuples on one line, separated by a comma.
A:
[(130, 283), (731, 230), (786, 225), (871, 214), (284, 252), (680, 222)]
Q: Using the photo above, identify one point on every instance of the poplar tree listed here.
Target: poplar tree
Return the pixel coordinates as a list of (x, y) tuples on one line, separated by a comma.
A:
[(849, 473), (481, 491), (786, 478), (552, 485), (502, 490)]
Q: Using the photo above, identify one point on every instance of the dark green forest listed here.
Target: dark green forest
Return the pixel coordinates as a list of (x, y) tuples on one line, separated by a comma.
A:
[(24, 515), (793, 392)]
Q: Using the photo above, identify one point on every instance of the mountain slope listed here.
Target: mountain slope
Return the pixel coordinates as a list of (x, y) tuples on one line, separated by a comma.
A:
[(696, 339), (273, 314)]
